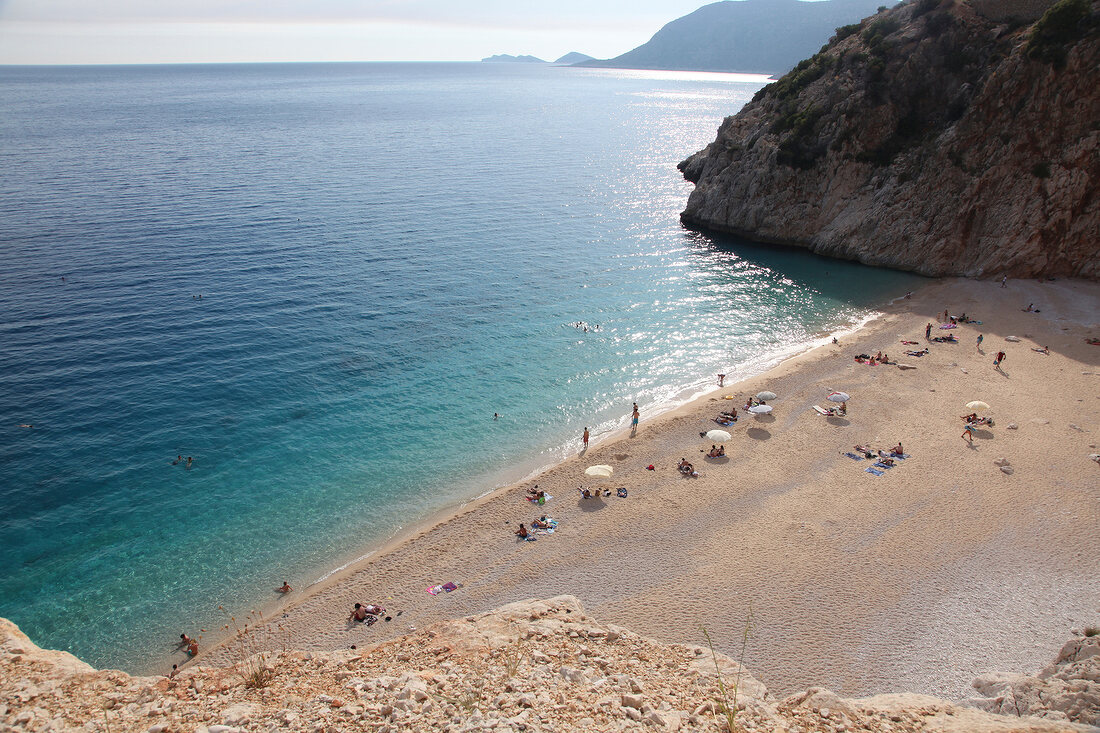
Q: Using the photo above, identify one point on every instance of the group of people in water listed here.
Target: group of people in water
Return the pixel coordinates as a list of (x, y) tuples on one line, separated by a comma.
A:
[(179, 460)]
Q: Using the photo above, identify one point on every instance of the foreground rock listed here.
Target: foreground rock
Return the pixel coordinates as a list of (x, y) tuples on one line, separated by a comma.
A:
[(533, 665), (943, 137)]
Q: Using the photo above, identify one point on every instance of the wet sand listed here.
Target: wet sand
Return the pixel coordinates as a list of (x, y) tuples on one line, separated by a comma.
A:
[(919, 579)]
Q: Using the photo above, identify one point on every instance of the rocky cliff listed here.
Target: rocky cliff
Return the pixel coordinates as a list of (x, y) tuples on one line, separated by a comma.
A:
[(529, 666), (936, 137)]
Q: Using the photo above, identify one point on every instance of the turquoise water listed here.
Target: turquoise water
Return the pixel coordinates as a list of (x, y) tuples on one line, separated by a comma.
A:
[(387, 254)]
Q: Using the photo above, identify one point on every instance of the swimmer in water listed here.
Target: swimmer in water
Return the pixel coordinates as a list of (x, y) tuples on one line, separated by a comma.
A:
[(189, 461), (26, 425), (284, 588), (179, 460)]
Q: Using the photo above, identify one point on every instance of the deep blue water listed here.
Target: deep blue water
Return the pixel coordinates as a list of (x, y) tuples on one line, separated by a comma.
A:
[(387, 254)]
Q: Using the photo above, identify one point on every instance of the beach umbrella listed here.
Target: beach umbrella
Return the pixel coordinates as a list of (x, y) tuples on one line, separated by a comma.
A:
[(765, 396), (760, 409), (977, 405), (719, 435), (838, 397), (599, 471)]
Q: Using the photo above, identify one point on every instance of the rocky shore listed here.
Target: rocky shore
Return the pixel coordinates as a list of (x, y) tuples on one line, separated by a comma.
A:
[(536, 665), (940, 136)]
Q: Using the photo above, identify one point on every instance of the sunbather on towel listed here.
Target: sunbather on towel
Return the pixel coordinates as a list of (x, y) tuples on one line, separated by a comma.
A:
[(522, 532), (540, 523), (865, 450)]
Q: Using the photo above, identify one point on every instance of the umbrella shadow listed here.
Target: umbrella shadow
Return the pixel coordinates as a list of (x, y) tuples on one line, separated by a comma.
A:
[(838, 421), (758, 434), (717, 459), (983, 434), (765, 418), (591, 505)]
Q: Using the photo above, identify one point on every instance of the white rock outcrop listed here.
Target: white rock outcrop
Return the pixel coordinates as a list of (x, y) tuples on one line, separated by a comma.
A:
[(538, 665)]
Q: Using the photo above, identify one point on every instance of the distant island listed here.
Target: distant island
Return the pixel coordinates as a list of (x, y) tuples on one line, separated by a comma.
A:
[(572, 58), (758, 36), (504, 58)]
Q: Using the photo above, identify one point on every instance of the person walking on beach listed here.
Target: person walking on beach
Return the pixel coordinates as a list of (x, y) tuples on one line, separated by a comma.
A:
[(928, 332), (1003, 281), (998, 360), (722, 377), (979, 345), (585, 438), (634, 420), (968, 432)]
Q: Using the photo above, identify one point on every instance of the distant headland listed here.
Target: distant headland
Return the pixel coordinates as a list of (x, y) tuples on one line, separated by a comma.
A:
[(759, 36)]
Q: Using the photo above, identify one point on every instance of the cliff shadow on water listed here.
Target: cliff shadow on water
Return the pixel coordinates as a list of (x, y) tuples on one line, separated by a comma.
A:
[(840, 281)]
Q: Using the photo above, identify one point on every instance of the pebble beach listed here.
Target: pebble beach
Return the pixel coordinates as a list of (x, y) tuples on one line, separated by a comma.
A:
[(963, 558)]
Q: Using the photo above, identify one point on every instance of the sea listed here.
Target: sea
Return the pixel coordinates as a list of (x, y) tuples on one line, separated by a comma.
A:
[(347, 297)]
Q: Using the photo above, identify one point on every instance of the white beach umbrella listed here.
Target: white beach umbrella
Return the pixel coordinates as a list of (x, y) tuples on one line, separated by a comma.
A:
[(838, 397), (977, 405), (760, 409), (601, 471), (720, 435), (765, 396)]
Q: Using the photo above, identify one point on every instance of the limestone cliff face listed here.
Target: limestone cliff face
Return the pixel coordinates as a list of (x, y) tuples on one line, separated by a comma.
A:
[(930, 138), (529, 666)]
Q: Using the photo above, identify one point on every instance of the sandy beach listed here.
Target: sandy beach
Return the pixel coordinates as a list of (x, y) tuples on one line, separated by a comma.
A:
[(919, 579)]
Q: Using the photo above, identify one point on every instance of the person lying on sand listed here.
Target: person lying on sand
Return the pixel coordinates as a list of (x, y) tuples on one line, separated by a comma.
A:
[(1044, 350), (686, 468), (970, 418), (533, 492), (884, 459), (865, 450), (922, 352), (540, 523)]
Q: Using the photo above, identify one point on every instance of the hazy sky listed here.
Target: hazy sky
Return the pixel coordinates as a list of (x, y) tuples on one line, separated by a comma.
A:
[(175, 31)]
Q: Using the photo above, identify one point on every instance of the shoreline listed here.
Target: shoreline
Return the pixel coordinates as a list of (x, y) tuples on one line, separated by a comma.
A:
[(448, 540), (432, 519)]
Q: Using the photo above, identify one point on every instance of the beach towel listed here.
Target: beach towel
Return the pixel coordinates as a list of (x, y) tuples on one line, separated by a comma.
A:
[(880, 464), (449, 587), (902, 456), (874, 471), (621, 492), (435, 590), (854, 457), (948, 325)]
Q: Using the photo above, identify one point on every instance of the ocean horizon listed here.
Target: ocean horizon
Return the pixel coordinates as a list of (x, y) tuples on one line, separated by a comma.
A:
[(321, 282)]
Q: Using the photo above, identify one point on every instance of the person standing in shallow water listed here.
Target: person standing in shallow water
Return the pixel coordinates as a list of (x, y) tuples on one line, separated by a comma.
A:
[(585, 438), (928, 331), (634, 420)]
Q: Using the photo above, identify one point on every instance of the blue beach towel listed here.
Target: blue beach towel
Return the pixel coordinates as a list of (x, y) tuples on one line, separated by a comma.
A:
[(874, 471), (854, 457), (880, 464), (902, 456)]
